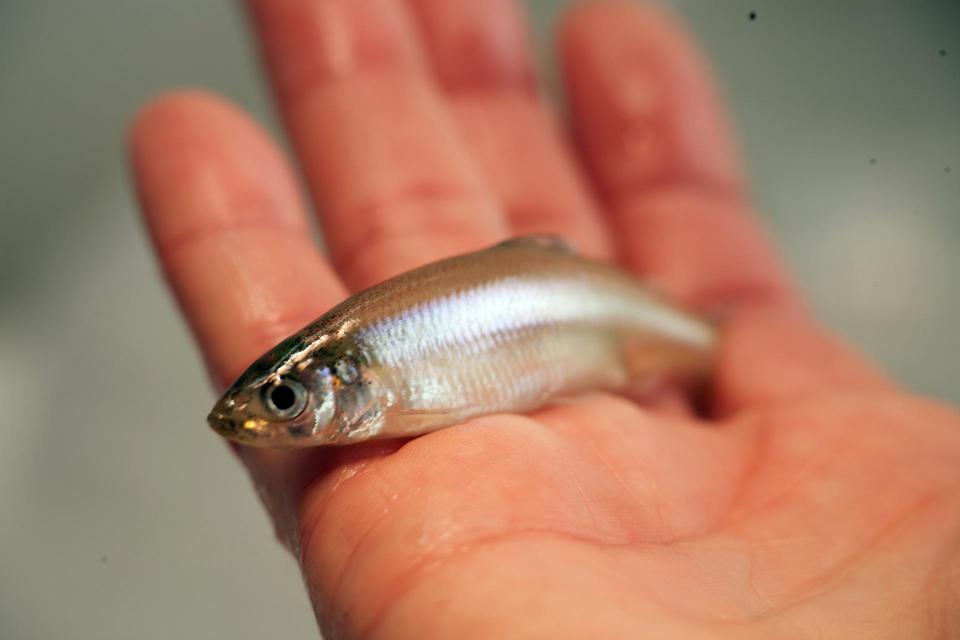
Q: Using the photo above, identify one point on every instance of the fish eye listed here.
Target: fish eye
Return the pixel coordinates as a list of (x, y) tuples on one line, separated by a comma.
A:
[(285, 399)]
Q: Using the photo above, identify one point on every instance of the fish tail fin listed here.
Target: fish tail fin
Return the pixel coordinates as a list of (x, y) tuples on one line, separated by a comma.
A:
[(654, 363)]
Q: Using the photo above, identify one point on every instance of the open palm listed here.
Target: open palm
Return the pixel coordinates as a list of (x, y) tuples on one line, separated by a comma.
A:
[(814, 500)]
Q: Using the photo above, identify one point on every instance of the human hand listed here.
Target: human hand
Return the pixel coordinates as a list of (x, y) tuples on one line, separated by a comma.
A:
[(813, 500)]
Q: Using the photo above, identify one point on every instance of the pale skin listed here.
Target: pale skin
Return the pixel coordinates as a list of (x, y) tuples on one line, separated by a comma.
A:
[(808, 497)]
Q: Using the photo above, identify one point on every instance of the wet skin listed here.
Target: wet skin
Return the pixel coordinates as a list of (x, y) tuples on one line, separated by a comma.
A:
[(808, 497)]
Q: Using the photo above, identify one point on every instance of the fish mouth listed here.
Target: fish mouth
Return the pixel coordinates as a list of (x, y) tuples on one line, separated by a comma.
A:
[(244, 430), (223, 423), (223, 418)]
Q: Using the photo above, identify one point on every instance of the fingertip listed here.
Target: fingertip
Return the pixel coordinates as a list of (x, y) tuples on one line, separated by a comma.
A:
[(172, 110), (172, 124), (199, 161)]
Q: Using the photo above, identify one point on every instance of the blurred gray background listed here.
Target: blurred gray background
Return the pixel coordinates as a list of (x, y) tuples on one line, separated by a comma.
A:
[(122, 516)]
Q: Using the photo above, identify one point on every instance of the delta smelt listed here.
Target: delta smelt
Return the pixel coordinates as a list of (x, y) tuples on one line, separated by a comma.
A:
[(505, 329)]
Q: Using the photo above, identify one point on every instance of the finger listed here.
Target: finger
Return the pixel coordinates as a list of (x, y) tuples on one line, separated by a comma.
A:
[(657, 142), (384, 161), (658, 145), (481, 56), (228, 227), (231, 234)]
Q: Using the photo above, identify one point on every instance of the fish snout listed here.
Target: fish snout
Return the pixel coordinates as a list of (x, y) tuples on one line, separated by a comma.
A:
[(223, 424), (223, 418)]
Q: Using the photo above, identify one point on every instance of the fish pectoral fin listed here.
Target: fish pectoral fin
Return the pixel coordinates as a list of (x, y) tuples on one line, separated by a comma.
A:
[(413, 421), (546, 241)]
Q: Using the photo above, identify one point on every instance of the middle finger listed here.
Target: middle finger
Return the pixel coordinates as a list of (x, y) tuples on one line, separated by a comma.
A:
[(481, 56), (380, 152)]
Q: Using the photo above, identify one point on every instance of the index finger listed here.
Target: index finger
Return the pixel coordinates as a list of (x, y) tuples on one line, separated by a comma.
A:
[(228, 227)]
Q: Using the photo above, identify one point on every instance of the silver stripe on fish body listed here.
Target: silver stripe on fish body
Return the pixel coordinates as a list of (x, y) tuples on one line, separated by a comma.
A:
[(508, 328)]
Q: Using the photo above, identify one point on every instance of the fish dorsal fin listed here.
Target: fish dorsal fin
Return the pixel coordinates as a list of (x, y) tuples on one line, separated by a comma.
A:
[(546, 241)]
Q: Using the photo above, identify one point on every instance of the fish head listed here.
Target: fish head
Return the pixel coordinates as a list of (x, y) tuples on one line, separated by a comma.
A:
[(298, 396)]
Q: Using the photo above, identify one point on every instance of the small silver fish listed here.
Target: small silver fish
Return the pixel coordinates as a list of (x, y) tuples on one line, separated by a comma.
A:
[(508, 328)]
